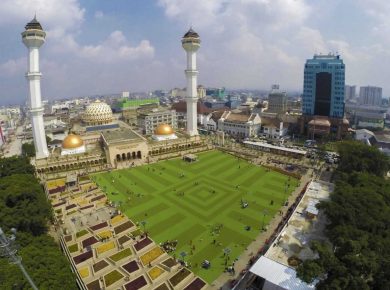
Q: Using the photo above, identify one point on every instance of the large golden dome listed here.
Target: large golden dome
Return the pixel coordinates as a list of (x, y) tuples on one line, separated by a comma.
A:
[(72, 141), (163, 129), (97, 113)]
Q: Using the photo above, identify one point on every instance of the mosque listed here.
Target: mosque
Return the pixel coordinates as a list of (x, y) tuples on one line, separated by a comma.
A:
[(99, 142)]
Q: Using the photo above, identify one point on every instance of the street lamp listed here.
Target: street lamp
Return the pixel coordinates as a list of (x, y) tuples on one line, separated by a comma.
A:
[(265, 212), (8, 249), (143, 223)]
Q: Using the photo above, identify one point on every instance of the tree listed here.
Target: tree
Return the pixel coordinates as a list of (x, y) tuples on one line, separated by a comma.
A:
[(356, 156), (358, 256), (23, 205), (28, 149), (43, 260), (15, 165)]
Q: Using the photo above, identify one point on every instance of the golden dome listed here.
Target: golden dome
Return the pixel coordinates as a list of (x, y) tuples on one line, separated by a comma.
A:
[(163, 129), (72, 141), (97, 113)]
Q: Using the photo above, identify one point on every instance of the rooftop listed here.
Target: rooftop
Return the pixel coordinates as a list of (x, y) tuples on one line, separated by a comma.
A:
[(191, 33), (295, 237), (294, 240), (181, 107), (33, 24), (270, 146), (122, 135), (278, 274)]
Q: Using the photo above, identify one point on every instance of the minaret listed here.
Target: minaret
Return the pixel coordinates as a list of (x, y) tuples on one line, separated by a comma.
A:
[(33, 37), (191, 43)]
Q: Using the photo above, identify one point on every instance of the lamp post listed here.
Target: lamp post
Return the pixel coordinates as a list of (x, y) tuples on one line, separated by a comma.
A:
[(8, 250), (265, 212), (143, 223)]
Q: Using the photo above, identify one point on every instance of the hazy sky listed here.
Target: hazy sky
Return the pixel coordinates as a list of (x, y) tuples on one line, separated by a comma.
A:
[(107, 46)]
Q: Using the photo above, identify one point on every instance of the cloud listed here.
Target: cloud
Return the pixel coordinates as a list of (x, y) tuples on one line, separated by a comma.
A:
[(254, 43), (116, 48), (14, 67), (64, 14), (99, 14), (71, 65), (251, 39)]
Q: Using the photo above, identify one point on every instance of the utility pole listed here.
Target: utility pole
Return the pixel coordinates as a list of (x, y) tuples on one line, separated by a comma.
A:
[(8, 250)]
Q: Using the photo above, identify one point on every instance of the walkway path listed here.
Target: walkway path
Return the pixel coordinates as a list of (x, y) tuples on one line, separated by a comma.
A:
[(15, 146)]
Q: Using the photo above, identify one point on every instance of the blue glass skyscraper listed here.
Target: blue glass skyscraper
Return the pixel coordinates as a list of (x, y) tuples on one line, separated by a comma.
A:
[(323, 86)]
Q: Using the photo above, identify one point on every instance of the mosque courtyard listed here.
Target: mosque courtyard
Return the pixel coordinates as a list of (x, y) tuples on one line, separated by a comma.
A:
[(214, 207)]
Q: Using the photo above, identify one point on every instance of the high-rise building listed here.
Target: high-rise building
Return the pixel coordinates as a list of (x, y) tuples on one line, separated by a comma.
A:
[(277, 100), (323, 89), (349, 92), (371, 96), (33, 37)]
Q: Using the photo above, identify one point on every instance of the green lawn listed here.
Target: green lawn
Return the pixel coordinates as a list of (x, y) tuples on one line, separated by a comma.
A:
[(210, 208)]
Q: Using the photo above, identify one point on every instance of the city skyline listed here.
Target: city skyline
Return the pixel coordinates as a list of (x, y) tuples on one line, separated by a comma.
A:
[(102, 47)]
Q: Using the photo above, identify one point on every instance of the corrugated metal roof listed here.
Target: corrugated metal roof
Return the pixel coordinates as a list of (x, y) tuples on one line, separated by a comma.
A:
[(266, 145), (279, 274)]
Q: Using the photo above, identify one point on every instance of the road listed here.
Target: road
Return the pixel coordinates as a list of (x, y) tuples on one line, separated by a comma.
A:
[(15, 146)]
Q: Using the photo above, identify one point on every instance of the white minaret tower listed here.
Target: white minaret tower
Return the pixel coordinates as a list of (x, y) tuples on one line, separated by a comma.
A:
[(191, 43), (33, 37)]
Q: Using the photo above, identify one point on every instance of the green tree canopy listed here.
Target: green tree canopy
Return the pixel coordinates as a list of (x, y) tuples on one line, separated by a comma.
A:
[(23, 205), (15, 165), (358, 255), (28, 149), (356, 156)]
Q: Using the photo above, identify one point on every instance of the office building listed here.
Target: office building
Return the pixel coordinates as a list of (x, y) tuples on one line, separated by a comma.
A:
[(149, 119), (323, 89), (371, 96), (277, 100), (323, 97), (349, 93)]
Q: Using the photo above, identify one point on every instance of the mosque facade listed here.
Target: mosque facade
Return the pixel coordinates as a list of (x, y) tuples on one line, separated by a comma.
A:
[(103, 143)]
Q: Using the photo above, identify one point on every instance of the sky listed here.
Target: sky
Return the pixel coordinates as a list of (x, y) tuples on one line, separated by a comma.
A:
[(109, 46)]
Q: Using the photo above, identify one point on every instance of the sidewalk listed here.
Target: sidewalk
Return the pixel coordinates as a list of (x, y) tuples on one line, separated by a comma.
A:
[(222, 282)]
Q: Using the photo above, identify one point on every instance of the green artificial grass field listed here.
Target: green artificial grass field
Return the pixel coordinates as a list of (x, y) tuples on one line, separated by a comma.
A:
[(200, 204)]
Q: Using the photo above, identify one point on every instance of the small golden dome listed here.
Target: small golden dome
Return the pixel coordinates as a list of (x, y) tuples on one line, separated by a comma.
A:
[(72, 141), (163, 129)]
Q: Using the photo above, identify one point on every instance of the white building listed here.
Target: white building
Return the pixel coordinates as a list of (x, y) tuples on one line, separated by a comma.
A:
[(349, 92), (273, 128), (239, 125), (371, 96), (149, 119), (203, 113)]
